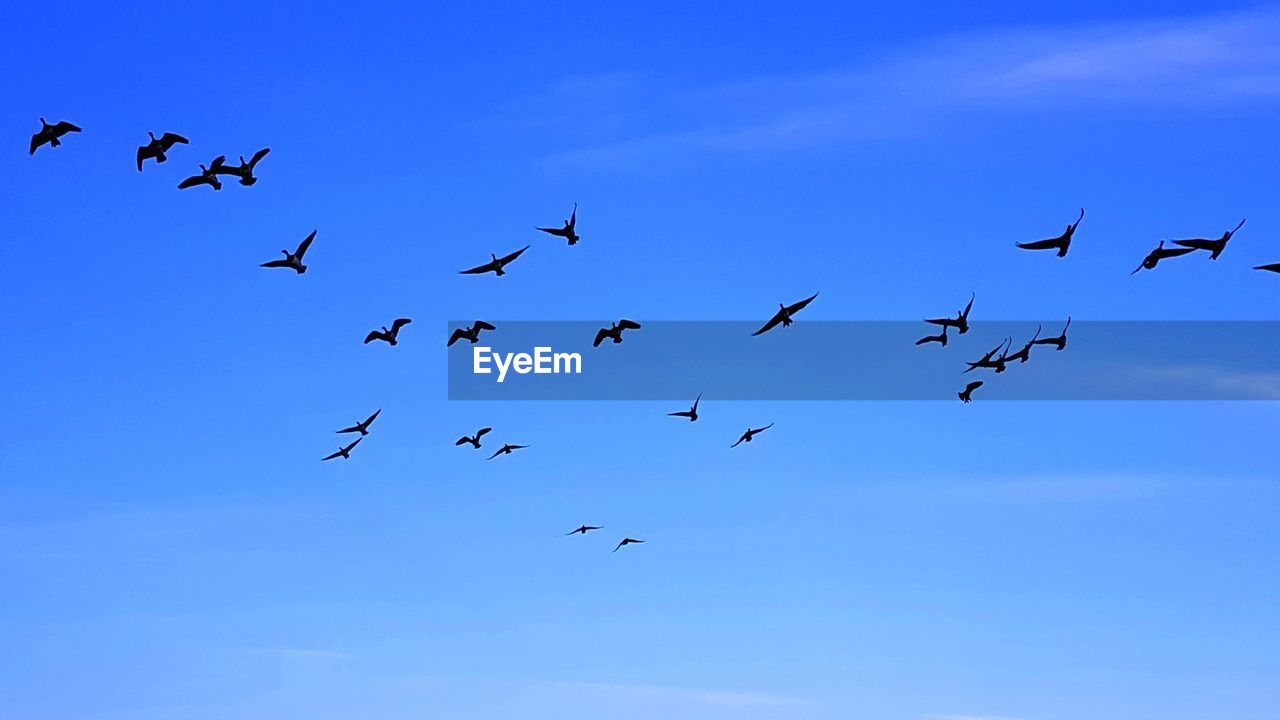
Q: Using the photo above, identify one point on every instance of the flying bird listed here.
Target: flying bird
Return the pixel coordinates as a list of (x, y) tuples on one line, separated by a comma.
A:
[(784, 315), (941, 339), (691, 413), (614, 331), (474, 441), (1154, 257), (344, 453), (584, 529), (967, 393), (750, 433), (507, 450), (960, 322), (627, 541), (244, 170), (990, 361), (387, 336), (207, 176), (158, 147), (472, 333), (1061, 243), (293, 259), (50, 134), (495, 265), (362, 427), (1059, 342), (1024, 354), (568, 231), (1215, 247)]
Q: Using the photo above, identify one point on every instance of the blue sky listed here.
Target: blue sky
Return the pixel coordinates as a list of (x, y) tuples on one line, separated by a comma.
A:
[(171, 547)]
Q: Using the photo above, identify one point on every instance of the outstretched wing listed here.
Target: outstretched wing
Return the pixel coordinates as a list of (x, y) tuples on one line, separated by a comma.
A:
[(276, 263), (512, 256), (773, 322), (258, 156), (972, 386), (1050, 244), (352, 445), (302, 247), (353, 428), (456, 336), (1269, 267), (64, 127), (760, 430), (1195, 244), (169, 139), (969, 307), (801, 305), (497, 452), (744, 437), (484, 325), (559, 232), (573, 217), (374, 335), (192, 181), (628, 324), (36, 141), (399, 323), (373, 417), (483, 432), (601, 334), (487, 267), (330, 457), (682, 413), (463, 440), (696, 401)]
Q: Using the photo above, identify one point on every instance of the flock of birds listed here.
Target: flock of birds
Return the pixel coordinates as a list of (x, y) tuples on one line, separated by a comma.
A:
[(997, 359)]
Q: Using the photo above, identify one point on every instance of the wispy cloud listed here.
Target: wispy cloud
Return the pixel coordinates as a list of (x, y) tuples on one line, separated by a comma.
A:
[(1206, 62)]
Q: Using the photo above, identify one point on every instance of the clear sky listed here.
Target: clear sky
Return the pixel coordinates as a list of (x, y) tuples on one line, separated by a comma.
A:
[(171, 546)]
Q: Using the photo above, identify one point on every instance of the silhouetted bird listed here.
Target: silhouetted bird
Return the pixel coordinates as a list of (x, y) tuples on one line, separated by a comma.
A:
[(495, 265), (207, 176), (583, 530), (158, 147), (691, 413), (1061, 243), (1059, 342), (1269, 267), (614, 331), (967, 393), (1024, 354), (507, 450), (362, 427), (784, 315), (472, 333), (50, 134), (244, 170), (1154, 257), (941, 339), (293, 259), (627, 541), (990, 361), (474, 441), (387, 336), (344, 453), (960, 322), (1215, 247), (567, 231), (750, 433)]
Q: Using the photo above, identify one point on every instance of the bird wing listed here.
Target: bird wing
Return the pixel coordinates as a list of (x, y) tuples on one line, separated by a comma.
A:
[(1076, 224), (456, 336), (512, 256), (373, 335), (944, 322), (969, 307), (497, 452), (484, 325), (352, 445), (517, 447), (483, 432), (276, 263), (1175, 252), (973, 386), (463, 440), (1269, 267), (624, 542), (64, 127), (696, 401), (773, 322), (373, 417), (487, 267), (142, 155), (682, 413), (600, 336), (573, 217), (744, 437), (559, 232), (192, 181), (1049, 244), (1196, 244), (800, 305), (302, 247), (218, 162), (399, 323), (629, 324), (169, 139), (258, 156), (766, 427), (1237, 227), (330, 457), (353, 428)]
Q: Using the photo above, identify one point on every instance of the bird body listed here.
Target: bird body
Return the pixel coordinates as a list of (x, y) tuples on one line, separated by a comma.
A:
[(50, 134), (472, 333), (293, 259), (614, 331), (385, 335), (497, 265), (568, 231), (158, 146)]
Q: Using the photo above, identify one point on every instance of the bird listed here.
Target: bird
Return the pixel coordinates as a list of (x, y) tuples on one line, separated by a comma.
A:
[(627, 541), (472, 333), (50, 134), (750, 433), (1269, 267), (1059, 342), (362, 427), (507, 450), (495, 265), (1215, 247), (387, 336), (691, 413), (474, 441), (1024, 354), (784, 315), (966, 394), (584, 529), (961, 320), (293, 259), (1154, 257), (614, 331), (244, 170), (207, 176), (1061, 243), (568, 231), (158, 147), (941, 339), (345, 452), (990, 361)]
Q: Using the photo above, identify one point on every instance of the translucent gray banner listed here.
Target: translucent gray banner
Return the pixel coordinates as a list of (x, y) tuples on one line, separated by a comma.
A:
[(867, 360)]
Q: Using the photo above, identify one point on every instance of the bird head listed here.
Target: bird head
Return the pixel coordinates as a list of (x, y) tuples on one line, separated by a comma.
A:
[(151, 135), (42, 122)]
